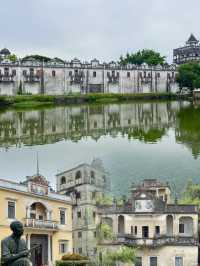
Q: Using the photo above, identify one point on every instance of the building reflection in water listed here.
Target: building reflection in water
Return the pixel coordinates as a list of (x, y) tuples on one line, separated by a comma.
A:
[(146, 122)]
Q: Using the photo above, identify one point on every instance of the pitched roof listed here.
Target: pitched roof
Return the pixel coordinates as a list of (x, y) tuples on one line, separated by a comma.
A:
[(192, 38)]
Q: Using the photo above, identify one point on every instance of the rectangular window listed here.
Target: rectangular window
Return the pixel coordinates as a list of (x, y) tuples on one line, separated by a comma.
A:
[(95, 234), (138, 261), (79, 234), (13, 72), (178, 261), (79, 214), (145, 231), (63, 246), (94, 74), (53, 73), (132, 230), (181, 228), (11, 209), (80, 250), (153, 261), (62, 217), (128, 74), (157, 230)]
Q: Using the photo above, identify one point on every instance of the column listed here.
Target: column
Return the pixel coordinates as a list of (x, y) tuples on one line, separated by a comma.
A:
[(49, 250), (28, 241)]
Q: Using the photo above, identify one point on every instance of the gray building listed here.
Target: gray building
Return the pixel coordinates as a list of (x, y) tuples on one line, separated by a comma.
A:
[(189, 52), (86, 184), (57, 77)]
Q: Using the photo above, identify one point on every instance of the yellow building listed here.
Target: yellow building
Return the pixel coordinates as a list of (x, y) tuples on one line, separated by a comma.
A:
[(46, 215)]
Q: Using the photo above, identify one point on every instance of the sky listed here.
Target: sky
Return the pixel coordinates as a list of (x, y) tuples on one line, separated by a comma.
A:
[(103, 29)]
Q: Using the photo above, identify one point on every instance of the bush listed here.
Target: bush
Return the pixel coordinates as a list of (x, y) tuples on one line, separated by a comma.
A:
[(71, 263), (74, 256)]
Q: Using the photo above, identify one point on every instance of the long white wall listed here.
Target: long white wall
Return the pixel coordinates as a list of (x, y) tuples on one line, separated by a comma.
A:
[(74, 77)]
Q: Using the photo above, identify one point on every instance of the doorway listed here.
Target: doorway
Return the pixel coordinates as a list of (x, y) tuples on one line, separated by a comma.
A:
[(39, 254)]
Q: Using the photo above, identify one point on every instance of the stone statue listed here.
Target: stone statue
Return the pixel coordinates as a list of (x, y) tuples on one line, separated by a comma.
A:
[(13, 249)]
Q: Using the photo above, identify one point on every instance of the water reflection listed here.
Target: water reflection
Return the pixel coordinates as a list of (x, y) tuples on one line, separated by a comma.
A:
[(147, 122), (188, 129)]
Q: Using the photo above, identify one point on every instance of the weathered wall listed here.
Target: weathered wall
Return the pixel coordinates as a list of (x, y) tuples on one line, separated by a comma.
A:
[(76, 78)]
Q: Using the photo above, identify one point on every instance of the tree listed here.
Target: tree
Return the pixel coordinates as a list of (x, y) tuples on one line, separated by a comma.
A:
[(12, 57), (189, 76), (147, 56), (123, 254), (39, 58)]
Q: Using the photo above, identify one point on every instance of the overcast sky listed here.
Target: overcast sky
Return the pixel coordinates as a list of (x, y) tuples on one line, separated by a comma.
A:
[(102, 29)]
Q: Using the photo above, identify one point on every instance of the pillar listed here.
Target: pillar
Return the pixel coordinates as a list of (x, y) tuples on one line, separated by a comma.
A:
[(49, 250)]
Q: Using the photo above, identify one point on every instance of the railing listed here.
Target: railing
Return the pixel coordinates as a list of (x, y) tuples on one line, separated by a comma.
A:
[(6, 78), (41, 224), (31, 78), (158, 241)]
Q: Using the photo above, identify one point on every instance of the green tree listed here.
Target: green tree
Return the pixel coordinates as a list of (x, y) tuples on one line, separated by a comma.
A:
[(147, 56), (189, 76), (12, 57), (123, 254)]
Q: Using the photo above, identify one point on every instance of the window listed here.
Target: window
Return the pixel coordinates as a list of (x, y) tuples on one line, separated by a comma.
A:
[(93, 195), (79, 214), (70, 73), (63, 246), (63, 180), (128, 74), (24, 72), (79, 234), (94, 74), (178, 261), (153, 261), (157, 230), (41, 218), (138, 261), (6, 71), (95, 234), (145, 231), (13, 72), (53, 73), (80, 250), (131, 229), (11, 209), (31, 71), (181, 228), (135, 230), (94, 215), (62, 217)]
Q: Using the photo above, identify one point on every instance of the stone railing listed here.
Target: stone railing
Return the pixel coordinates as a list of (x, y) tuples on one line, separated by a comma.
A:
[(41, 224), (158, 241)]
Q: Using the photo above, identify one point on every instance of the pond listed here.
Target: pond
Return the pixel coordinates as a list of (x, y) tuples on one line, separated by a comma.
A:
[(135, 141)]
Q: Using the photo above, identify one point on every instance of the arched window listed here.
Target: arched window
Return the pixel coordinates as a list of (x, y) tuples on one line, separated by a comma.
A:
[(63, 180), (92, 173)]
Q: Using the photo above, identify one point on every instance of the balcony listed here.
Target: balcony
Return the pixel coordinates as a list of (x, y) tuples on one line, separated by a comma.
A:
[(41, 224), (157, 241), (6, 78), (31, 78)]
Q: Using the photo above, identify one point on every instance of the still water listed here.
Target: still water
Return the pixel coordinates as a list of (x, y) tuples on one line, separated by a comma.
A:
[(134, 141)]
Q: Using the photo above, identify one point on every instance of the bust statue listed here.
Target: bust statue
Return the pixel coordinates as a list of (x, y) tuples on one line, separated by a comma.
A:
[(13, 249)]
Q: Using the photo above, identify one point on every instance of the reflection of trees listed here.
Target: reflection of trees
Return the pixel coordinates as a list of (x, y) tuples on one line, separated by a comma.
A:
[(188, 129), (152, 135)]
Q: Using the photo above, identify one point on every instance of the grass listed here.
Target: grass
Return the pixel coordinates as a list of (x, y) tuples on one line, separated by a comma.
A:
[(31, 101)]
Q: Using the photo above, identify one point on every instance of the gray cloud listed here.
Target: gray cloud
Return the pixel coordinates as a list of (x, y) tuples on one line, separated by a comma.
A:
[(96, 28)]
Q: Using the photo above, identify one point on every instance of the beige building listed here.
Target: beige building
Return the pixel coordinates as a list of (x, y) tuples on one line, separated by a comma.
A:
[(46, 215), (164, 234)]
